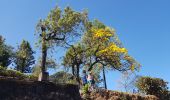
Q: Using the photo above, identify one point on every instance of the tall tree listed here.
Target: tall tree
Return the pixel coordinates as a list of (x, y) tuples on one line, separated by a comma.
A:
[(106, 48), (56, 29), (24, 57), (6, 53), (74, 58)]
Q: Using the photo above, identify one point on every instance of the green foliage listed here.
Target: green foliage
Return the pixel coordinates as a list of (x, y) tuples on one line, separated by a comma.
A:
[(100, 43), (57, 29), (74, 58), (153, 86), (24, 57), (59, 26), (36, 70), (85, 89), (6, 53), (63, 77), (50, 64), (32, 77), (95, 46), (15, 74), (75, 52)]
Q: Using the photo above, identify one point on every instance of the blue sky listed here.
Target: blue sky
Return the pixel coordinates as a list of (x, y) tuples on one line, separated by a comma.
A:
[(142, 25)]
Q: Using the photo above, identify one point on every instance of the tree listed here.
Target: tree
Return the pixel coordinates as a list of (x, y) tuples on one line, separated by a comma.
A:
[(24, 57), (56, 29), (153, 86), (63, 77), (128, 80), (98, 40), (105, 48), (104, 76), (6, 53), (74, 58)]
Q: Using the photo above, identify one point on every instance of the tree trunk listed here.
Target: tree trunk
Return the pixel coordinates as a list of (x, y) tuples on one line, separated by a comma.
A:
[(23, 66), (73, 70), (44, 56), (78, 79), (104, 78)]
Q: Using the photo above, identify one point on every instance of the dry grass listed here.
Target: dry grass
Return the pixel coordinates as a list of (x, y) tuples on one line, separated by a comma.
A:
[(114, 95)]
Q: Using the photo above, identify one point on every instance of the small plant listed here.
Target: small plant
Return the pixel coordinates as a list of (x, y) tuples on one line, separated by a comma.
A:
[(85, 89), (32, 77)]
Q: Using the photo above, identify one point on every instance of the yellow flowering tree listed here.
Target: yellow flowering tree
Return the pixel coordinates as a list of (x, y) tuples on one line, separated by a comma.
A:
[(104, 47)]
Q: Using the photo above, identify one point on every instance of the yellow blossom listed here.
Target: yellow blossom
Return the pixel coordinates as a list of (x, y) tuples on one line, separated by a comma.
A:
[(112, 48), (103, 33)]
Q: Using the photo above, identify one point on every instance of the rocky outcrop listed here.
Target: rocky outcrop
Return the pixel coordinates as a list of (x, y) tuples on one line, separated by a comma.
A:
[(34, 90)]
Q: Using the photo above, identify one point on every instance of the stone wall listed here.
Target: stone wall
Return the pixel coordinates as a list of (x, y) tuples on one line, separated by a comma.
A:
[(34, 90)]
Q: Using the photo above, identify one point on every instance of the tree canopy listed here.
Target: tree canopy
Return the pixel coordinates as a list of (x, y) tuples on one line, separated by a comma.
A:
[(57, 29), (153, 86), (105, 47), (6, 53), (24, 57)]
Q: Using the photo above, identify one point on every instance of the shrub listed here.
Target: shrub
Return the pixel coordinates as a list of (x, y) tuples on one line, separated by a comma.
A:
[(153, 86), (16, 74), (85, 89), (32, 77), (3, 71), (63, 77), (19, 75), (11, 73)]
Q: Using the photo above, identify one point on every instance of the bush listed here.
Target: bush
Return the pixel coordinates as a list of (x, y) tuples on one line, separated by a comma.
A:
[(85, 89), (2, 71), (153, 86), (63, 77), (32, 77), (16, 74)]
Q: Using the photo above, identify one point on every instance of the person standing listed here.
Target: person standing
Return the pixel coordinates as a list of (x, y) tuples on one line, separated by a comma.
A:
[(84, 78), (90, 80)]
